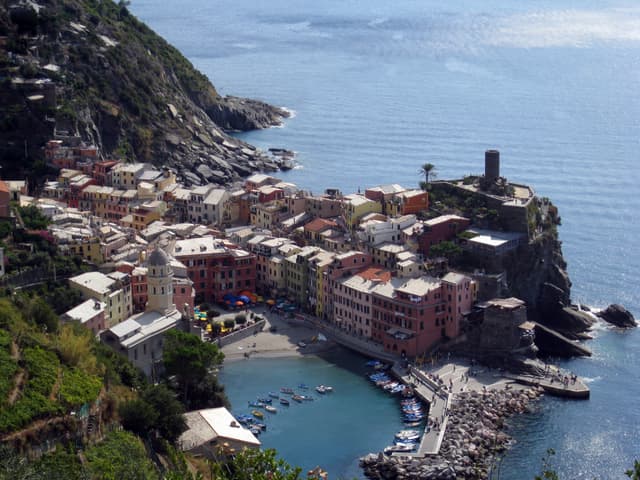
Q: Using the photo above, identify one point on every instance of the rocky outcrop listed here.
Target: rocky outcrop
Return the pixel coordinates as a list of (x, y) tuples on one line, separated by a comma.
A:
[(78, 68), (552, 343), (474, 435), (234, 113), (618, 315)]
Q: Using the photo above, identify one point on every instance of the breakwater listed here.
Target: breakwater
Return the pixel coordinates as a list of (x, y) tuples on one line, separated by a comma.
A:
[(475, 435)]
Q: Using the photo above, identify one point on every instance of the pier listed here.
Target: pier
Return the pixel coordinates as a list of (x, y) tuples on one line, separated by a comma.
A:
[(571, 389), (439, 401)]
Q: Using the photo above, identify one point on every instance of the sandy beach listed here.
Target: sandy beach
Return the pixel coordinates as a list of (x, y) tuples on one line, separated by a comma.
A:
[(284, 342)]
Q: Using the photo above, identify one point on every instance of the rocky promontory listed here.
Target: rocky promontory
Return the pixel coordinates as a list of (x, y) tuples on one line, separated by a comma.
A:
[(90, 71)]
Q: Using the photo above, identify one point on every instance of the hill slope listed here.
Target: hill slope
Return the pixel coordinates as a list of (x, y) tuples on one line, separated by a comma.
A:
[(89, 68)]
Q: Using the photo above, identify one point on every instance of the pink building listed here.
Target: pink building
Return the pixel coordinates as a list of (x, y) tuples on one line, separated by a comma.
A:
[(89, 313), (353, 300), (342, 266), (410, 315)]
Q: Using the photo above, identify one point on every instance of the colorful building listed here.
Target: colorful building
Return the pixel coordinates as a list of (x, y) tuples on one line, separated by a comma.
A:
[(216, 268)]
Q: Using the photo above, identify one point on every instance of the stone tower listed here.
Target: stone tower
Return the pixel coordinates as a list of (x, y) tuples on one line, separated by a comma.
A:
[(159, 282)]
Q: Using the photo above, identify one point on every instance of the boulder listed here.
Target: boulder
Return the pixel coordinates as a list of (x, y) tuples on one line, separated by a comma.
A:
[(618, 315)]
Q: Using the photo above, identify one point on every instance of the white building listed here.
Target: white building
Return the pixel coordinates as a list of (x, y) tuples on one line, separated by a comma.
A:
[(140, 338), (214, 429)]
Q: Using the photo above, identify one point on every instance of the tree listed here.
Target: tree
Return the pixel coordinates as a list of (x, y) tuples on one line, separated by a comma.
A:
[(170, 420), (254, 464), (138, 416), (121, 455), (42, 314), (189, 360), (428, 170), (446, 249)]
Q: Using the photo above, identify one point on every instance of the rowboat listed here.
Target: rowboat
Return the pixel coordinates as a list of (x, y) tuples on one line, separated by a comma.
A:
[(284, 401), (287, 390), (257, 413), (274, 395), (271, 409), (298, 398)]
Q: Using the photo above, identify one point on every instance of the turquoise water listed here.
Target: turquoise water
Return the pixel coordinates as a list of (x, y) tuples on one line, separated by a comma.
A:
[(336, 422), (381, 87)]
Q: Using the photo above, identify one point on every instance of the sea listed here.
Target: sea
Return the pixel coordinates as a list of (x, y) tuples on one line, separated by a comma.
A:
[(378, 88)]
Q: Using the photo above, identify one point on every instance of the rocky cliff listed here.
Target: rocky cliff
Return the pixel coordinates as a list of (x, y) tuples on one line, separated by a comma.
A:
[(537, 273), (89, 68)]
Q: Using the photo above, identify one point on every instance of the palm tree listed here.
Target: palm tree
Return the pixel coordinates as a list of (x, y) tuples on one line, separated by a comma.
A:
[(428, 169)]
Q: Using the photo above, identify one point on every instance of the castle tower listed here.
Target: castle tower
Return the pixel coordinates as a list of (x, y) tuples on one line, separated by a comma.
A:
[(159, 282), (491, 165)]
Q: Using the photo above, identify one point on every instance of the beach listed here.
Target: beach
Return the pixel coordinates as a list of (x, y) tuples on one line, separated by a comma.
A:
[(285, 341)]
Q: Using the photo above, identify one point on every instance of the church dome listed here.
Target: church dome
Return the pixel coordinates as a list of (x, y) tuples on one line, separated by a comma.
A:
[(158, 258)]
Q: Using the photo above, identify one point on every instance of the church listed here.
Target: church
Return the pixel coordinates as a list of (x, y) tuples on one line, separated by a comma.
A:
[(140, 338)]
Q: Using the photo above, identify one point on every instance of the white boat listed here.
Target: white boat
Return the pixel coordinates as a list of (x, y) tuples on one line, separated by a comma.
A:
[(399, 447), (324, 389), (271, 409)]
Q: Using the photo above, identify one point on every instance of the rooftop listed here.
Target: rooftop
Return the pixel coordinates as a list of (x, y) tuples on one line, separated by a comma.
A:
[(207, 425), (86, 310), (96, 281), (144, 325)]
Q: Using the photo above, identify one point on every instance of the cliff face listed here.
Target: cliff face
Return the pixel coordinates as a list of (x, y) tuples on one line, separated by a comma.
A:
[(537, 274), (89, 68)]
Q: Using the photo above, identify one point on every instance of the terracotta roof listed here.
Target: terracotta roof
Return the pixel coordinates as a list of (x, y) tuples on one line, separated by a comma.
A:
[(319, 224), (375, 273), (4, 187)]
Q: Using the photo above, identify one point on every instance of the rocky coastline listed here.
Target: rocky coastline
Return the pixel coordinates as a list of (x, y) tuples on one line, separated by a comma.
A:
[(475, 436)]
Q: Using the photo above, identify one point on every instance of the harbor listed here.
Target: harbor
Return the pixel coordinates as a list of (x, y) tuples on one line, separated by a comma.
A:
[(441, 387)]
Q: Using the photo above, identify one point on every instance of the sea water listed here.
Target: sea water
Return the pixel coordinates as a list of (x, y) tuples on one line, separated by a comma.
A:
[(381, 87), (355, 419)]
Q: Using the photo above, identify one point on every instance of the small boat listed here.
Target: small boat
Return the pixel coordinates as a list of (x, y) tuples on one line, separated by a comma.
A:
[(255, 430), (264, 400), (256, 404), (284, 401), (257, 413), (303, 386), (307, 398), (400, 447), (324, 389), (271, 409), (274, 395), (408, 436), (260, 425), (412, 424), (287, 390), (298, 398)]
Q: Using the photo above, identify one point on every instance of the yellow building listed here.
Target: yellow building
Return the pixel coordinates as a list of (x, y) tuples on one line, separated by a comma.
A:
[(114, 290), (144, 214), (88, 248), (357, 206)]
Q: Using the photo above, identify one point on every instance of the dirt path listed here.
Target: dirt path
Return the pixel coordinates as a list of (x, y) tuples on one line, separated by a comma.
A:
[(19, 377), (18, 383), (56, 386)]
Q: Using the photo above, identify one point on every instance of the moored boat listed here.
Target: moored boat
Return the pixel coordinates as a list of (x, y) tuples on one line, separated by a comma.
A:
[(287, 390), (297, 398), (257, 413), (284, 401), (274, 395), (399, 447), (271, 409)]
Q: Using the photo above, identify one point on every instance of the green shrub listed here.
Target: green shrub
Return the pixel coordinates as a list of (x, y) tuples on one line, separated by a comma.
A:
[(78, 388)]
